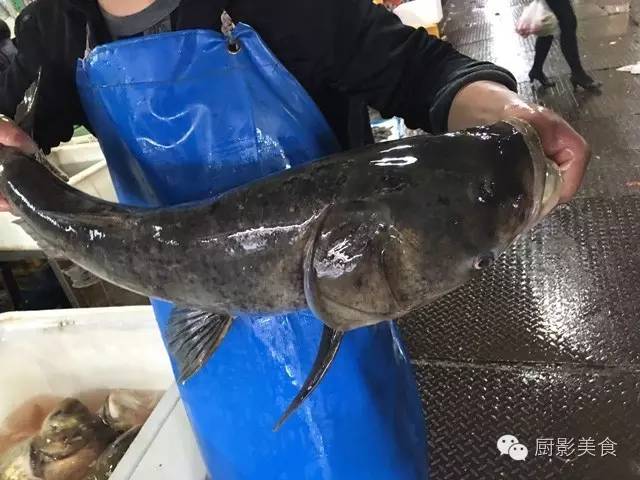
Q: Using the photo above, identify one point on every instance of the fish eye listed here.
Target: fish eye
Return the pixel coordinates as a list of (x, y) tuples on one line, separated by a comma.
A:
[(483, 261)]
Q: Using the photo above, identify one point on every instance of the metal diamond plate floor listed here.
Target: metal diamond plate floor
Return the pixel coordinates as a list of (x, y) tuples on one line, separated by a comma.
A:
[(545, 346)]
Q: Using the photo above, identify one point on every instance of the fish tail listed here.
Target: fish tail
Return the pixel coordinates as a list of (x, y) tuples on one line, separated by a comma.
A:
[(329, 344), (31, 184), (46, 205)]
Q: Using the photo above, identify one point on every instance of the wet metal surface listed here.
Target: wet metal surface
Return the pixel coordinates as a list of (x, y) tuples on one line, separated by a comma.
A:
[(607, 40), (546, 344)]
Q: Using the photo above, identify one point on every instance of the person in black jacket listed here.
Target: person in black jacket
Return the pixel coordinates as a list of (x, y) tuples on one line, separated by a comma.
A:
[(347, 54), (563, 10), (7, 48)]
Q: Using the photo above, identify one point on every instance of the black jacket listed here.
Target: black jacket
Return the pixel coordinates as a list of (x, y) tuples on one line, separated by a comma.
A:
[(7, 53), (347, 54)]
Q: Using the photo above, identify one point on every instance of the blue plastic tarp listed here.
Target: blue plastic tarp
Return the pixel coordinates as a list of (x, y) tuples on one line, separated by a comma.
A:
[(181, 118)]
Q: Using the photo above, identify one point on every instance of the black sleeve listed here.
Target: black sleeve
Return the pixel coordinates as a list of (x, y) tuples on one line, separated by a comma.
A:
[(40, 45), (22, 71), (400, 71)]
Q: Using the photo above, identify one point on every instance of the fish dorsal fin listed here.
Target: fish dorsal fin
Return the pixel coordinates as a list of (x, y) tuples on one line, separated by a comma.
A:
[(345, 284), (193, 336)]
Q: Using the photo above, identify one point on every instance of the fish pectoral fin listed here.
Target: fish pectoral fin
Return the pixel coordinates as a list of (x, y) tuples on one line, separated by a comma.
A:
[(345, 283), (80, 278), (193, 335), (329, 345)]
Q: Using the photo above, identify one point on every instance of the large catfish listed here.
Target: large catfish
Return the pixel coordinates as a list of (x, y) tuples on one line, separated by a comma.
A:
[(359, 237)]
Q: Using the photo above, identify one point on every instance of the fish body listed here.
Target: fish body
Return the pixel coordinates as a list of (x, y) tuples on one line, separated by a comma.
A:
[(107, 462), (359, 237), (452, 197)]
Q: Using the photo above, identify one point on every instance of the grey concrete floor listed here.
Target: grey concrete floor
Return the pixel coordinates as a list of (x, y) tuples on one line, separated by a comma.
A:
[(546, 345)]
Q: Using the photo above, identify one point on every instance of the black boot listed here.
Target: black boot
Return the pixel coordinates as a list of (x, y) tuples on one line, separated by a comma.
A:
[(585, 81), (543, 45), (540, 77)]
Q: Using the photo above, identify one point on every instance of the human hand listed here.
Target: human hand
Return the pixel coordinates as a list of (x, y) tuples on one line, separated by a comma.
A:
[(13, 136), (484, 103), (560, 142)]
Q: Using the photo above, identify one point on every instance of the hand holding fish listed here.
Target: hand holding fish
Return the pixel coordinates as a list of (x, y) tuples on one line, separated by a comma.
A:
[(561, 143), (13, 136), (484, 103)]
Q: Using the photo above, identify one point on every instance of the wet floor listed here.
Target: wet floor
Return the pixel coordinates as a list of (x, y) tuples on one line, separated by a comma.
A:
[(546, 345)]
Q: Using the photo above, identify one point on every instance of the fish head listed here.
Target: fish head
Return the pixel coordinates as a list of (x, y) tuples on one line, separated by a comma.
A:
[(66, 430), (473, 216), (439, 216), (125, 409), (69, 442)]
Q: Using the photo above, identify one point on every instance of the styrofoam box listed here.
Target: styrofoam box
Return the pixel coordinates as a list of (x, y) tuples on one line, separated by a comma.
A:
[(66, 352)]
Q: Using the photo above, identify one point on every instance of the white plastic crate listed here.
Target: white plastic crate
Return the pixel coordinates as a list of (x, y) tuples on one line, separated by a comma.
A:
[(67, 352), (95, 181), (76, 155), (83, 161), (165, 448)]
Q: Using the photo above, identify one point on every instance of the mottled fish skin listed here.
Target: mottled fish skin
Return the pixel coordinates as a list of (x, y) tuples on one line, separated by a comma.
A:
[(70, 440), (16, 464), (391, 226), (107, 462), (75, 466)]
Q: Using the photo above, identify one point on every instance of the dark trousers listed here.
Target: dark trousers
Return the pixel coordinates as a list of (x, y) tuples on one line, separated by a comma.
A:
[(568, 23)]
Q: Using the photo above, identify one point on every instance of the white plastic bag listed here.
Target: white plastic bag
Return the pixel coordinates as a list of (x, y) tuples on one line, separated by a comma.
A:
[(633, 69), (537, 19), (419, 13)]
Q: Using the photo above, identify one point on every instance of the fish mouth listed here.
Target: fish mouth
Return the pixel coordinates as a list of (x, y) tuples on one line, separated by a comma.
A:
[(547, 178), (552, 188)]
